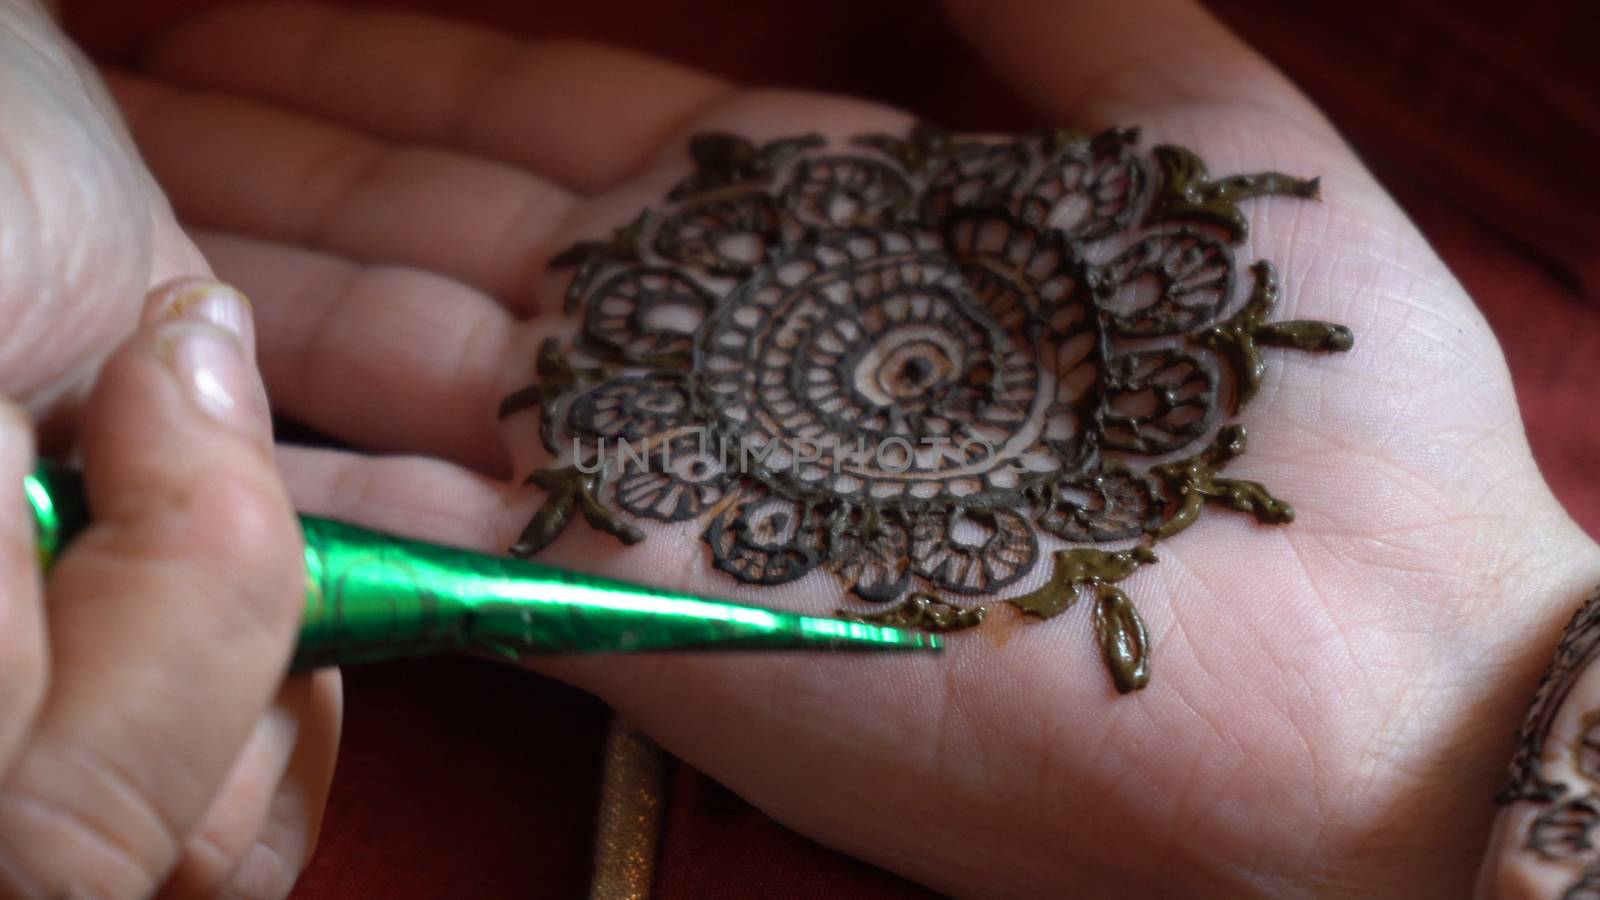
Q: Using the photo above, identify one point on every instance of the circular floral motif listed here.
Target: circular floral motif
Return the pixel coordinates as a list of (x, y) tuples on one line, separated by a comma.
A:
[(647, 316), (973, 551), (845, 191), (730, 236), (768, 538), (634, 408), (875, 358), (689, 480), (915, 362), (871, 556)]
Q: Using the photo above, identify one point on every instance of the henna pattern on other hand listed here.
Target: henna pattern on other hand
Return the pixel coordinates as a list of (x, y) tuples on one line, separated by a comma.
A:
[(923, 363), (1580, 646), (1560, 777)]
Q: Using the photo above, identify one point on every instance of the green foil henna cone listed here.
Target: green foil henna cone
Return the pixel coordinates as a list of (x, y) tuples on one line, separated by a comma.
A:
[(373, 596), (925, 364)]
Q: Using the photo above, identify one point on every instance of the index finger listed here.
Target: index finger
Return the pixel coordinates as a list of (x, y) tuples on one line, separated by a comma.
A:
[(1100, 63), (583, 115)]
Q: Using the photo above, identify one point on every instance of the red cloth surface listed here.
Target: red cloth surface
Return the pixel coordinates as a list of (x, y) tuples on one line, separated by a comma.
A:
[(464, 779)]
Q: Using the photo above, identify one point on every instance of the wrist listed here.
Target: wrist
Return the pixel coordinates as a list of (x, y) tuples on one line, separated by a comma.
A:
[(1430, 770)]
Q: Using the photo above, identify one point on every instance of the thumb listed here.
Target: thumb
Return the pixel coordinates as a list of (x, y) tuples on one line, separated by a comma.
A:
[(171, 618)]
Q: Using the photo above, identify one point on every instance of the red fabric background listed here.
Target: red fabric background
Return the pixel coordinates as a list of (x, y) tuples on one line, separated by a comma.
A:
[(464, 779)]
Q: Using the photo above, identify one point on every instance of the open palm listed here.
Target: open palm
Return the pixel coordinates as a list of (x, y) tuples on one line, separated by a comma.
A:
[(1331, 702)]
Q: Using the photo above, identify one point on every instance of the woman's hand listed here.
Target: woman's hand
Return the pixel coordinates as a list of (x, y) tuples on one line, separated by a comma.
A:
[(84, 232), (1332, 703), (147, 739)]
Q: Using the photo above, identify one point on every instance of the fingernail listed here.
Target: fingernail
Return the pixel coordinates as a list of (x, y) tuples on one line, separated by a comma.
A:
[(201, 300), (210, 363)]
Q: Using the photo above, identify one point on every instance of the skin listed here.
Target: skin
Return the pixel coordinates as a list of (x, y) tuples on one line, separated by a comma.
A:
[(147, 739), (1333, 701)]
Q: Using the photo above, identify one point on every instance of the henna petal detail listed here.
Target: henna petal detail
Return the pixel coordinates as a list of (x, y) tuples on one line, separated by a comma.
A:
[(923, 611), (1124, 644), (569, 490), (765, 540), (1166, 284), (1188, 193)]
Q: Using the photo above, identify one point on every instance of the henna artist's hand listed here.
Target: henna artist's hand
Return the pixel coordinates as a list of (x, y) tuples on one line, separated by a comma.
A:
[(147, 739), (1332, 702), (85, 231)]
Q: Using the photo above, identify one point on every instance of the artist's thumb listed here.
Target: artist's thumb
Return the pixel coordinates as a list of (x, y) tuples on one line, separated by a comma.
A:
[(171, 617)]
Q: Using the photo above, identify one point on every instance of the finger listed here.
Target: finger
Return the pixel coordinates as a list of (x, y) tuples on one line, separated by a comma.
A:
[(67, 197), (1099, 63), (388, 359), (171, 254), (423, 498), (287, 838), (585, 116), (275, 793), (171, 617), (212, 852), (239, 166), (23, 655)]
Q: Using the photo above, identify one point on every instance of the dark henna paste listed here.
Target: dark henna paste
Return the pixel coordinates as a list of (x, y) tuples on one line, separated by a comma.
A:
[(1189, 193), (920, 363), (923, 610)]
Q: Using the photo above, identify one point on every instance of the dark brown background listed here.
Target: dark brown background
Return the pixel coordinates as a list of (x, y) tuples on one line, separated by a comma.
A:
[(463, 779)]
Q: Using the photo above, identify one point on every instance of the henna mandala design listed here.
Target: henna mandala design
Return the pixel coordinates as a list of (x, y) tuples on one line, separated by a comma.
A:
[(923, 364)]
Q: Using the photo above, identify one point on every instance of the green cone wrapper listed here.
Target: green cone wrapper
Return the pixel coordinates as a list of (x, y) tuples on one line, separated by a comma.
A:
[(372, 596)]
